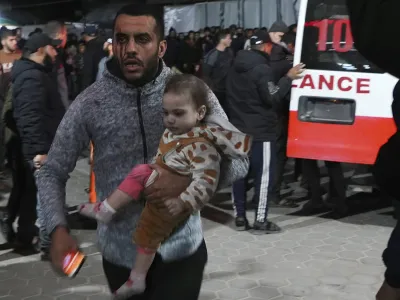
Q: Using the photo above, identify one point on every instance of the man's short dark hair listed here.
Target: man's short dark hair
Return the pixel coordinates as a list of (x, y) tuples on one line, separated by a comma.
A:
[(6, 33), (139, 9), (53, 28), (223, 34)]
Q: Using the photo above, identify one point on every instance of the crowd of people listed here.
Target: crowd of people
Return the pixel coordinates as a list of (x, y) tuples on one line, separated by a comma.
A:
[(219, 101)]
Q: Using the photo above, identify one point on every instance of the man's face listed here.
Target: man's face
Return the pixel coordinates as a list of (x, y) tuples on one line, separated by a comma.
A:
[(10, 43), (51, 53), (137, 46), (227, 41), (276, 37)]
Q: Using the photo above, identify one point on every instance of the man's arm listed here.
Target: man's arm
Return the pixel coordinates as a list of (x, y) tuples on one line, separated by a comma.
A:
[(208, 64), (231, 170), (270, 93), (71, 138), (29, 107)]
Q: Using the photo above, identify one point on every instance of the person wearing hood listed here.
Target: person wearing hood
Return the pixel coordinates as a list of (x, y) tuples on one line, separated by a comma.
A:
[(37, 111), (277, 31), (253, 100)]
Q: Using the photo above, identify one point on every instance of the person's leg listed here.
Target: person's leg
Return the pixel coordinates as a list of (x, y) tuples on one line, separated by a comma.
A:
[(178, 280), (116, 276), (239, 204), (28, 214), (337, 187), (264, 159), (312, 175), (14, 201), (390, 289)]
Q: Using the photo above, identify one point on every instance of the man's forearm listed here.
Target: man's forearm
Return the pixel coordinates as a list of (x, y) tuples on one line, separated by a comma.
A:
[(52, 199)]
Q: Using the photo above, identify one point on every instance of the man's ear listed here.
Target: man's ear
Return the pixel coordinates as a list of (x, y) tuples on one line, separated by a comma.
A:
[(162, 48)]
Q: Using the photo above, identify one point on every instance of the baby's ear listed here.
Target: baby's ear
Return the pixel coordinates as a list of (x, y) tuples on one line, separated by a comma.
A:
[(202, 111)]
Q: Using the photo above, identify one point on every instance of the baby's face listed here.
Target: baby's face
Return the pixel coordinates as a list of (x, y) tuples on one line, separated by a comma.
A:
[(180, 115)]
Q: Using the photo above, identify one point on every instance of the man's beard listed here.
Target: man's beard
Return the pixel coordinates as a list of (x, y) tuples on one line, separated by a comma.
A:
[(149, 72), (48, 62), (8, 49)]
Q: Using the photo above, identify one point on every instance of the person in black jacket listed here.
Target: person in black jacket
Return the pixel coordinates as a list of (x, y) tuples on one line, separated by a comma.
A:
[(253, 100), (37, 110), (94, 52), (216, 65)]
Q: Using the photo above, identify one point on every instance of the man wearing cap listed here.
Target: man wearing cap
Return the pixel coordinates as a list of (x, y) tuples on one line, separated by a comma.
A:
[(93, 54), (253, 99), (37, 110)]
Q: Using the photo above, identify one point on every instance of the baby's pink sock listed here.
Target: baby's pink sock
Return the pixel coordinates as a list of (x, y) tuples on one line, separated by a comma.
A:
[(100, 211), (136, 284)]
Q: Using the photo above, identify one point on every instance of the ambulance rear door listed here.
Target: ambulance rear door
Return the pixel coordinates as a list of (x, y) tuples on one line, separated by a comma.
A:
[(341, 109)]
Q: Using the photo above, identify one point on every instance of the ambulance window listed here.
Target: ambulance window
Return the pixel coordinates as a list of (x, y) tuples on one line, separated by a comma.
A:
[(327, 40)]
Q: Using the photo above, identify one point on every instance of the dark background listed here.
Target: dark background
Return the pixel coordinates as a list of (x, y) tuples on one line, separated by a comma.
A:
[(39, 11)]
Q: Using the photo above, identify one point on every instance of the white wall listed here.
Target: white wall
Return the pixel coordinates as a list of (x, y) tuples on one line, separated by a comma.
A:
[(240, 12)]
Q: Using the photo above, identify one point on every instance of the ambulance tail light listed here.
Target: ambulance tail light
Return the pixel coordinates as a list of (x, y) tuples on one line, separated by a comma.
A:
[(326, 110)]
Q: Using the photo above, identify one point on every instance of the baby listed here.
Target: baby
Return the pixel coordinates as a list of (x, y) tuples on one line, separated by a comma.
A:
[(189, 146)]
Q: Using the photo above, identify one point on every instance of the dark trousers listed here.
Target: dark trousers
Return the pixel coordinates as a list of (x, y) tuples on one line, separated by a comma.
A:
[(22, 201), (178, 280), (281, 158), (263, 170), (337, 184), (391, 254)]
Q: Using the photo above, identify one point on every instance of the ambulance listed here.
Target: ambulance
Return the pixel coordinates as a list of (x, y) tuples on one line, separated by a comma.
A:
[(341, 109)]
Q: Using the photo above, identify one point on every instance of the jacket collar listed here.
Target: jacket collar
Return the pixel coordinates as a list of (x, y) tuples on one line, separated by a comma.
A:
[(113, 73)]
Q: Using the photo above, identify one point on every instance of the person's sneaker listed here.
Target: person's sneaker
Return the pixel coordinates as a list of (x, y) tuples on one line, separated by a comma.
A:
[(266, 227), (7, 229), (241, 224)]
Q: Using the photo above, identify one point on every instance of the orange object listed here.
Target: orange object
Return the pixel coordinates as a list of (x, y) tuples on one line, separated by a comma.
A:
[(73, 261), (92, 185)]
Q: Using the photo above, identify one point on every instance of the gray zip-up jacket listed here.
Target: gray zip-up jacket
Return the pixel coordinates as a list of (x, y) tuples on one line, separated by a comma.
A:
[(125, 125)]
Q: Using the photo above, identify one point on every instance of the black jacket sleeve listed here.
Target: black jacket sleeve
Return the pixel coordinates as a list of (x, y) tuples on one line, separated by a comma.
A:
[(372, 22), (30, 103), (88, 67), (271, 94)]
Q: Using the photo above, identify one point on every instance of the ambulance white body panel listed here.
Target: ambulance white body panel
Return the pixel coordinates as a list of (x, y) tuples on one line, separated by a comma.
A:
[(341, 109)]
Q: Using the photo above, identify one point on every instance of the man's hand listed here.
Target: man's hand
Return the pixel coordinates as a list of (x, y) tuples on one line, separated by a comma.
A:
[(39, 160), (61, 244), (168, 185), (175, 206), (296, 71)]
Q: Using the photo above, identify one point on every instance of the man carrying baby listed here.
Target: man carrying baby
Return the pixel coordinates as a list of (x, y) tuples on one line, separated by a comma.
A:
[(120, 114)]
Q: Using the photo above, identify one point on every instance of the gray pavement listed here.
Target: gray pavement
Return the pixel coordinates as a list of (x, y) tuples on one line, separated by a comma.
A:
[(316, 258)]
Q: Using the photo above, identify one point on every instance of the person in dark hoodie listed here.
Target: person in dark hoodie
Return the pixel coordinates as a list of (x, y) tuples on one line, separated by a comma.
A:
[(253, 99), (171, 55), (277, 31), (386, 173), (94, 52), (37, 111)]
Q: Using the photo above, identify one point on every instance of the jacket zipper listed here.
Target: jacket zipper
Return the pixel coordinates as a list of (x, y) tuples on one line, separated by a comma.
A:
[(144, 141)]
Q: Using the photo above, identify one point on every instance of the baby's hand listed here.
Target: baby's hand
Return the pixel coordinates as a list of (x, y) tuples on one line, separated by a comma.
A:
[(175, 206)]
